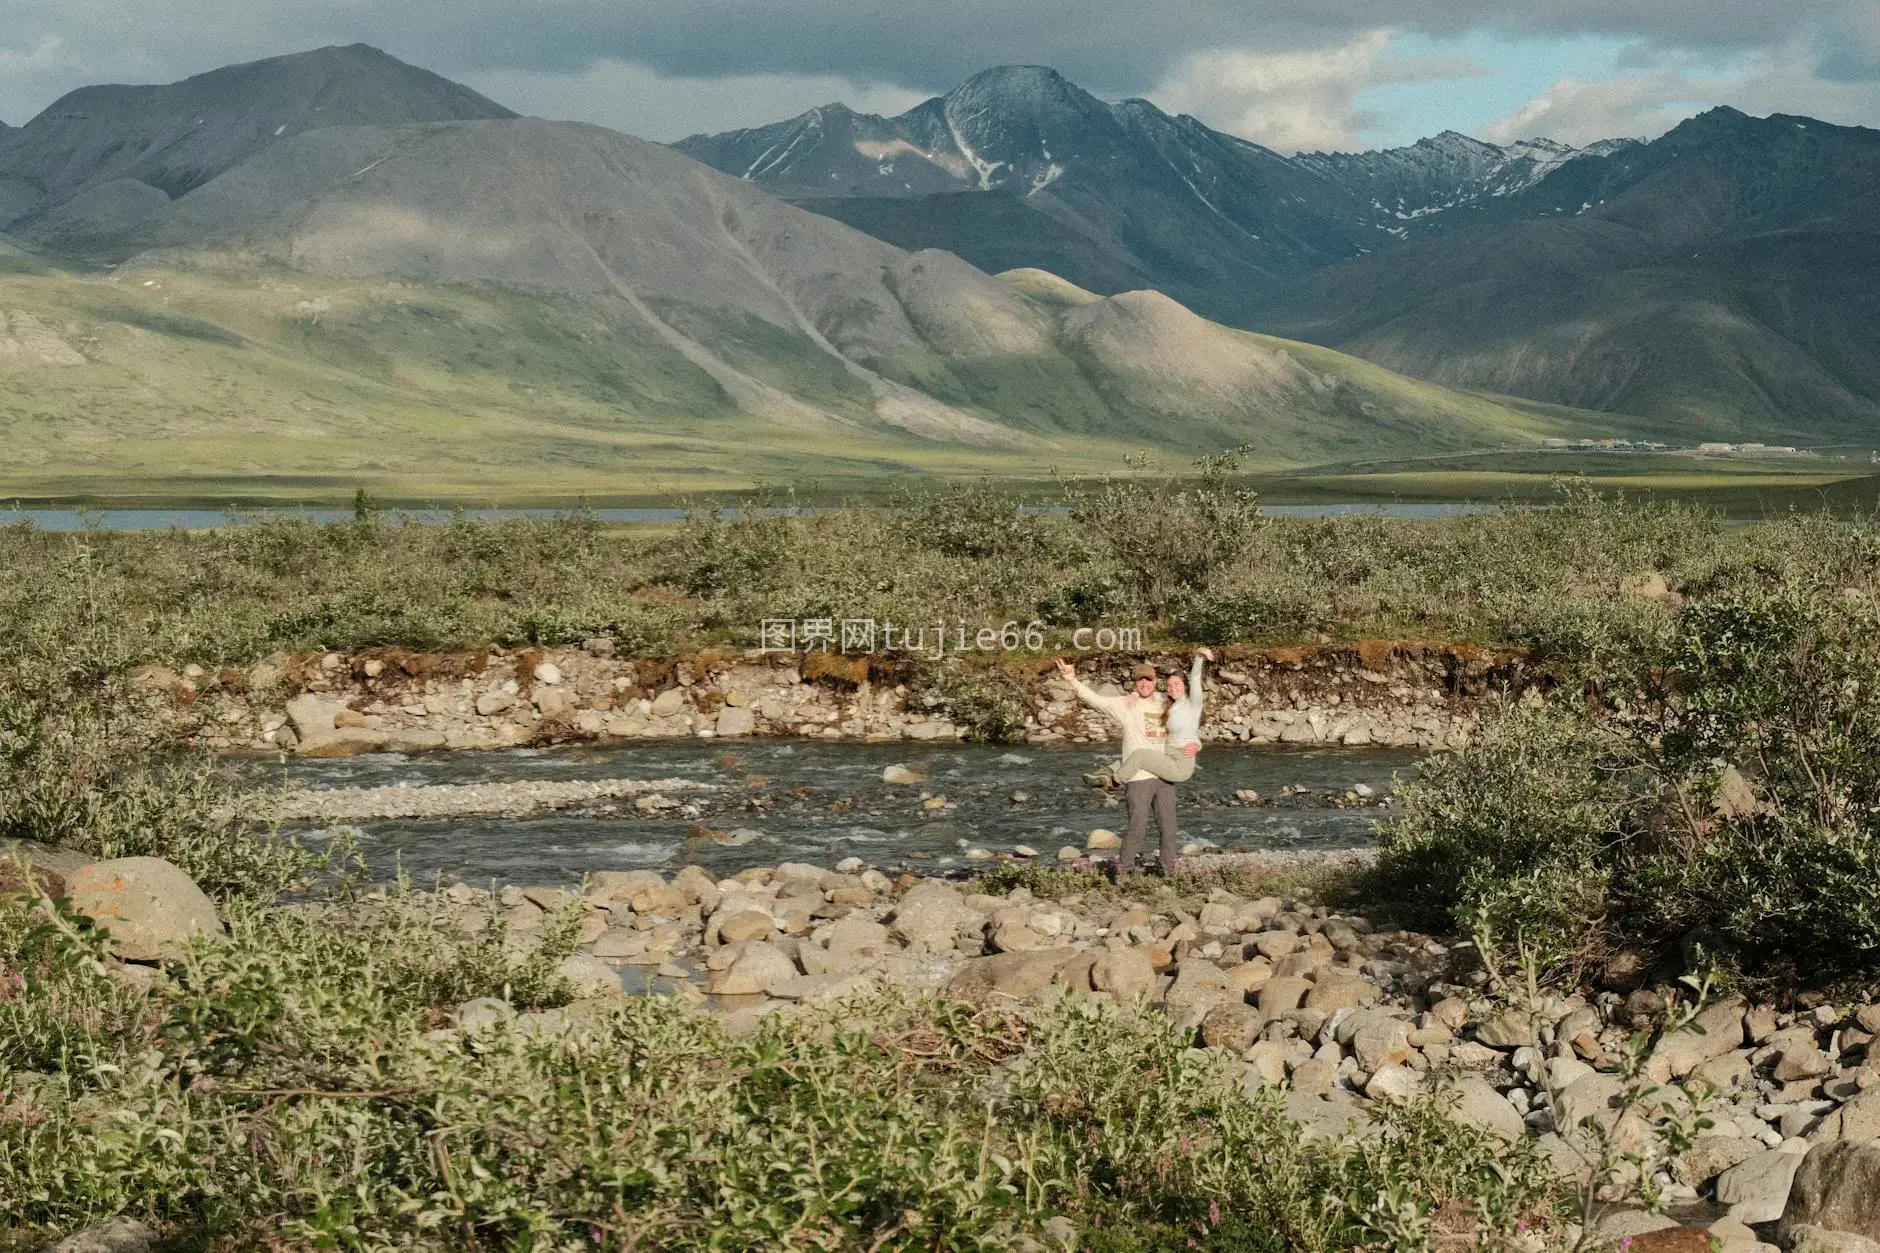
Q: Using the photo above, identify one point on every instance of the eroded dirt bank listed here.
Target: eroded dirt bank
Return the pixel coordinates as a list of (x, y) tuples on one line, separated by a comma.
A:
[(1376, 692)]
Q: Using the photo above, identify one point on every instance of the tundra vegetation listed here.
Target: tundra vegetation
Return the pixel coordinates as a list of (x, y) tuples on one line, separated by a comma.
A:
[(1697, 791)]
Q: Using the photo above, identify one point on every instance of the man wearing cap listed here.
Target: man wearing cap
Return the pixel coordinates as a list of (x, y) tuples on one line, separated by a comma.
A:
[(1143, 716)]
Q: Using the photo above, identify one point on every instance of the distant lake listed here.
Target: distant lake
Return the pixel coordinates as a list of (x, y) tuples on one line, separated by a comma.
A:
[(206, 519)]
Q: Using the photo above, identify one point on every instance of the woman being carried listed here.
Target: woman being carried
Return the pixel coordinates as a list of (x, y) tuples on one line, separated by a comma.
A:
[(1176, 762)]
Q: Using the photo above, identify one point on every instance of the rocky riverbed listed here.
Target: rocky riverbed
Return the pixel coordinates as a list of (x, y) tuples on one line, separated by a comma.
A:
[(529, 816), (1341, 1015), (1384, 693)]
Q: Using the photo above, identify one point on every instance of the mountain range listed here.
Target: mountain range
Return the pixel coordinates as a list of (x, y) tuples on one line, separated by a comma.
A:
[(1722, 275), (1726, 274), (1123, 194), (336, 264), (333, 267)]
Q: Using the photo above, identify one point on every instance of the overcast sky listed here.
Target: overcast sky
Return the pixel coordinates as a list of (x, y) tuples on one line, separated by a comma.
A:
[(1290, 73)]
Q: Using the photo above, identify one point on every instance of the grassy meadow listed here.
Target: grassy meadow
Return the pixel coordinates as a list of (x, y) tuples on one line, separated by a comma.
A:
[(233, 382)]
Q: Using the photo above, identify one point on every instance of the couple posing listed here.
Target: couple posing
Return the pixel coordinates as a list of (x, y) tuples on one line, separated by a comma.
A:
[(1160, 740)]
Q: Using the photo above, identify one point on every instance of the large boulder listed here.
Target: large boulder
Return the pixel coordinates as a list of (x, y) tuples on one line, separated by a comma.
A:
[(149, 907), (1716, 1031), (759, 968), (1858, 1120), (1125, 973), (1478, 1105), (1232, 1026), (1283, 993), (314, 719), (746, 924), (1511, 1030), (113, 1235), (858, 936), (1836, 1187), (1710, 1155), (589, 976), (930, 916), (733, 722), (313, 716), (1756, 1189), (1811, 1239), (1600, 1097), (1200, 985), (1016, 975), (1380, 1040)]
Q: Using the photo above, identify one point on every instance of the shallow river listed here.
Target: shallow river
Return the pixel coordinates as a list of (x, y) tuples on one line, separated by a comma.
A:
[(797, 801)]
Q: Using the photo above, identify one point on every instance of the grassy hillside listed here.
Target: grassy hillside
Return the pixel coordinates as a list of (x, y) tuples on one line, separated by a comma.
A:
[(243, 381), (290, 386), (1722, 277)]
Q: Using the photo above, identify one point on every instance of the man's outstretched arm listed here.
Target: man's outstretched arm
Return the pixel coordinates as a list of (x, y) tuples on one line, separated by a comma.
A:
[(1111, 705)]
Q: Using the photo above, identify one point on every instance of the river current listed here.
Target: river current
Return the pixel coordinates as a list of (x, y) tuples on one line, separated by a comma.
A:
[(778, 801)]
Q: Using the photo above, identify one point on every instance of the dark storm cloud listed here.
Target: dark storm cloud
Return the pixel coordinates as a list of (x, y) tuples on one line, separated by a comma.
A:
[(1110, 47), (568, 55)]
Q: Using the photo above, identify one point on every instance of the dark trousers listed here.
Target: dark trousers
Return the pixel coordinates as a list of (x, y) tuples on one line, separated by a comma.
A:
[(1158, 794)]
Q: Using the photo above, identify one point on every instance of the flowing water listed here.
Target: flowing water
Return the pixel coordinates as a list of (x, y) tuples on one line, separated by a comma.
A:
[(819, 802)]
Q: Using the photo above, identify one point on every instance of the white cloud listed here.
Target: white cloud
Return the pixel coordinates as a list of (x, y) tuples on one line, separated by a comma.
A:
[(1635, 105), (655, 106), (1297, 100), (1647, 103), (46, 55)]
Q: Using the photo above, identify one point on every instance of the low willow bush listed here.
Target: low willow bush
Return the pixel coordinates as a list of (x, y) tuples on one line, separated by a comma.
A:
[(291, 1086), (86, 762), (1717, 802), (1187, 558)]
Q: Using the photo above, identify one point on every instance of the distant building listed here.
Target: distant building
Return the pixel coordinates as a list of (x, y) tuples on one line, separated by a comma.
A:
[(1552, 442), (1716, 447)]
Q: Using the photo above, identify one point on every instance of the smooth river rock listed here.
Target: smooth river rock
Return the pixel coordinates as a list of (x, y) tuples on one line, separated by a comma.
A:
[(148, 906)]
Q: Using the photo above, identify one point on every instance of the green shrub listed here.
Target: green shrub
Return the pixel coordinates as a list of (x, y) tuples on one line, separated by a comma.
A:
[(1084, 597), (86, 760), (976, 521), (1720, 798), (1518, 824), (988, 703), (287, 1087), (1170, 535), (1259, 614)]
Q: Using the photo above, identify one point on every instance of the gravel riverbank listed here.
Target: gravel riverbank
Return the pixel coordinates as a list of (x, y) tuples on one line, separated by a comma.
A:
[(445, 800)]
